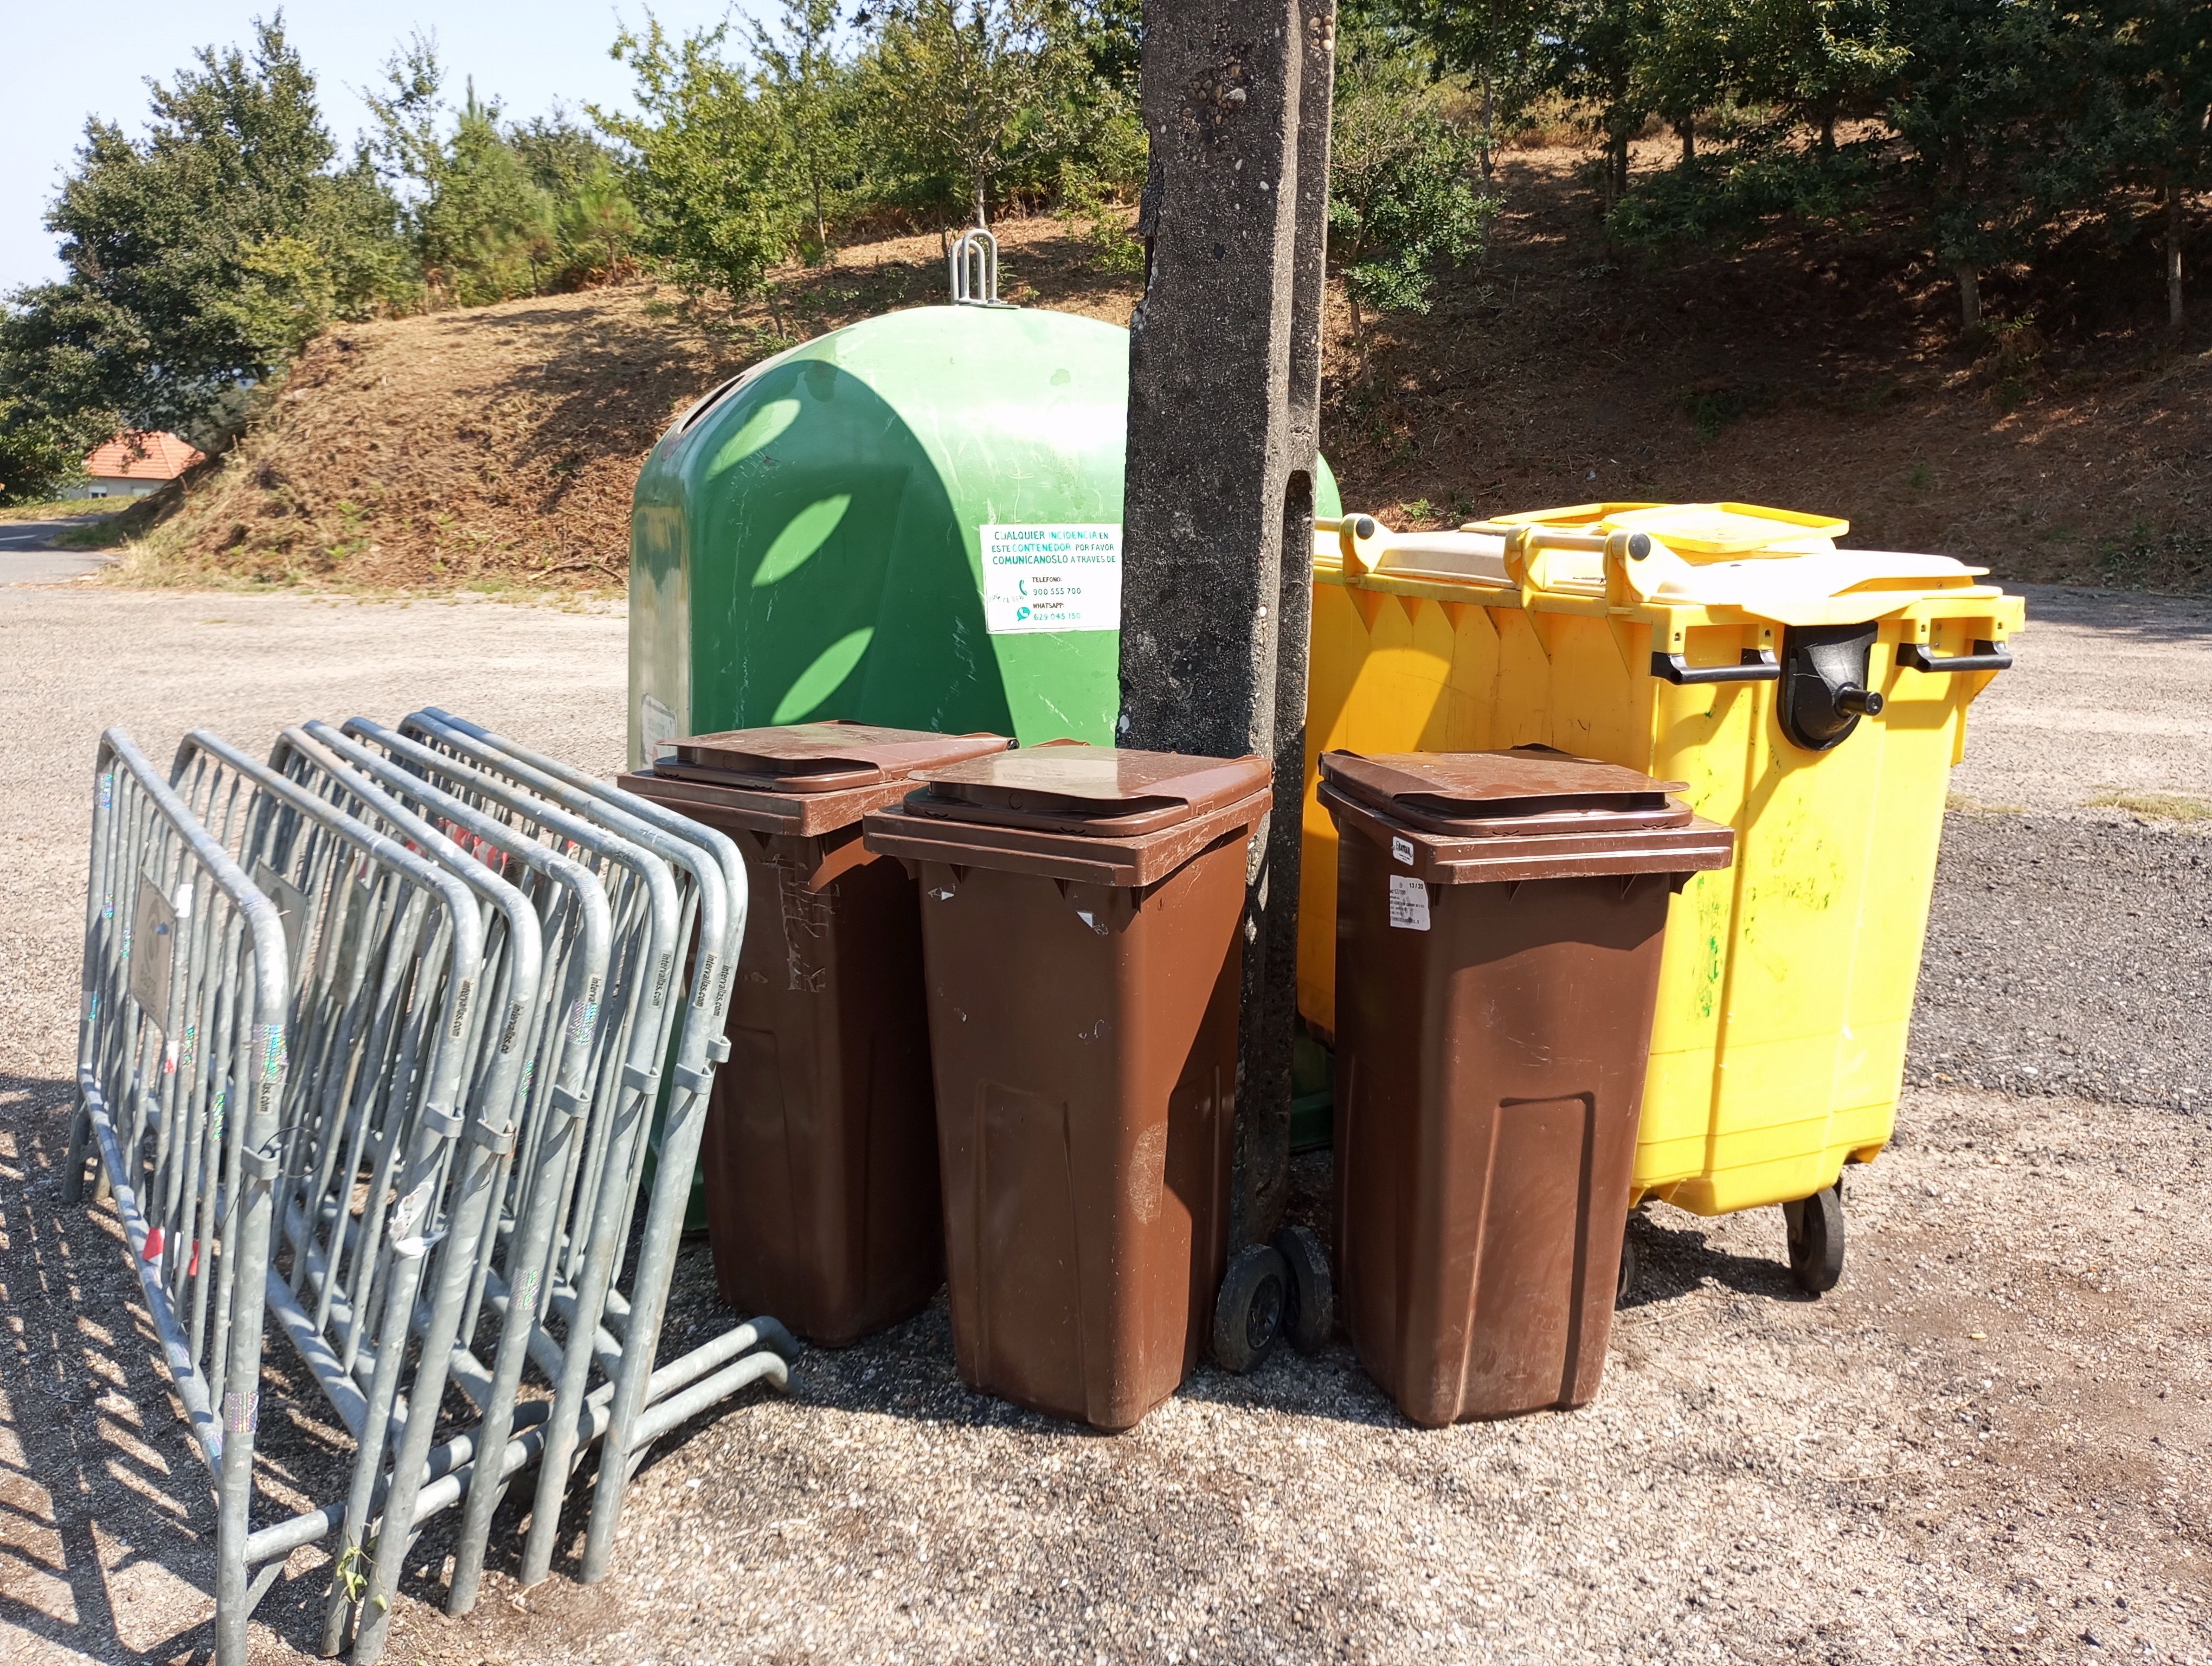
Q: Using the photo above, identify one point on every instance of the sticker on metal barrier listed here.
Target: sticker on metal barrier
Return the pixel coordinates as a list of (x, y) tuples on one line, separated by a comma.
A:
[(1409, 904), (241, 1411), (1060, 577), (407, 1214), (293, 910), (269, 1042), (153, 952), (585, 1015)]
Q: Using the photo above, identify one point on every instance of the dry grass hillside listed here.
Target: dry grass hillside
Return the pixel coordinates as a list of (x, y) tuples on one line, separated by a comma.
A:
[(498, 447)]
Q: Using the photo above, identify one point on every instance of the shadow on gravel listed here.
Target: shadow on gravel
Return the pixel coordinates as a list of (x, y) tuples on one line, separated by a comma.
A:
[(1678, 1260), (104, 1502)]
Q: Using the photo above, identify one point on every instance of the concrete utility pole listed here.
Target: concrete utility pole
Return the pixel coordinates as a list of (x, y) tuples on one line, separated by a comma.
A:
[(1225, 391)]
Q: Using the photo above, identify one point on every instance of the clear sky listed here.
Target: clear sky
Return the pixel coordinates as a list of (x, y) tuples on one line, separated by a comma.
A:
[(60, 62)]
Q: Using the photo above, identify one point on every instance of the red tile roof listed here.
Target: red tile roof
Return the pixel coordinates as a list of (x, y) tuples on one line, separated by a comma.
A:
[(142, 457)]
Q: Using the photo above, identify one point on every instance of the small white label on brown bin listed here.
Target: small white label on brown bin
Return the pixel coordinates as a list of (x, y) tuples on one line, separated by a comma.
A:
[(1409, 904), (1401, 850)]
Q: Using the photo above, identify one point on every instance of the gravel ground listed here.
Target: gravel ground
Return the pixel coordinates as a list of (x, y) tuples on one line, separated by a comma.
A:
[(2112, 697), (1987, 1444), (2070, 950), (2069, 956)]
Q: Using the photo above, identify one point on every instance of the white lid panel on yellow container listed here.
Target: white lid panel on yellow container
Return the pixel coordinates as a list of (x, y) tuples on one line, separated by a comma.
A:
[(1815, 585), (1695, 530)]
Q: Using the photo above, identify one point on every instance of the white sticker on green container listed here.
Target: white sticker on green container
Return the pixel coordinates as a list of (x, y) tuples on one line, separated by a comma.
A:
[(656, 727), (1051, 577), (1409, 904)]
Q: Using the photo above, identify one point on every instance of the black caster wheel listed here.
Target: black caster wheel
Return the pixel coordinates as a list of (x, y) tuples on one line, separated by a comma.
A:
[(1816, 1239), (1310, 1311), (1247, 1315), (1631, 1268)]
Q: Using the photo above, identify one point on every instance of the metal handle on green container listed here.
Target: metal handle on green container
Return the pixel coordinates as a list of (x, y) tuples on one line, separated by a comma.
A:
[(1986, 656), (1757, 666)]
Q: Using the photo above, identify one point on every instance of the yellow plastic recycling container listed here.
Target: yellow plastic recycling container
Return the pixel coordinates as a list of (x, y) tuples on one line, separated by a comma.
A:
[(1813, 699)]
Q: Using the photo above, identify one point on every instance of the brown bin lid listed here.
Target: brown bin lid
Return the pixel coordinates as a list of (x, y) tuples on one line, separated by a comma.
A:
[(1096, 792), (1529, 789), (834, 757)]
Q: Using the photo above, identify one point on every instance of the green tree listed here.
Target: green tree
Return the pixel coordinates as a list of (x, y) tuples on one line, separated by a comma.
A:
[(1108, 34), (1978, 103), (1822, 60), (1687, 63), (704, 159), (1595, 51), (484, 228), (1094, 120), (598, 227), (561, 155), (2158, 58), (964, 88), (1493, 43), (57, 347), (1402, 192), (203, 255), (806, 91), (1096, 126)]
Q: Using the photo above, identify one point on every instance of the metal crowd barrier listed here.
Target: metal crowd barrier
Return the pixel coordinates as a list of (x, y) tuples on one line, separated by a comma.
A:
[(547, 1016), (400, 1112), (598, 962), (476, 964), (614, 1321), (180, 1076)]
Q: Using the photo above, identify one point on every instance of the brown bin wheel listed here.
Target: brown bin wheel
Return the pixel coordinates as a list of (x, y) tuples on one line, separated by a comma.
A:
[(1816, 1239), (1249, 1315), (1309, 1314)]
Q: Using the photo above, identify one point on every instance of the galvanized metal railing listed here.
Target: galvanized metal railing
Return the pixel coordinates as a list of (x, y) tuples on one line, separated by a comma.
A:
[(568, 1109), (547, 1014), (181, 1075), (648, 1401), (444, 975), (634, 1403), (387, 1147)]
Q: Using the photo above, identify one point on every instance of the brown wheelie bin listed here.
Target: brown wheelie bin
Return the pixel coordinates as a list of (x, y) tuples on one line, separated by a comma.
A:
[(1080, 908), (1499, 922), (820, 1152)]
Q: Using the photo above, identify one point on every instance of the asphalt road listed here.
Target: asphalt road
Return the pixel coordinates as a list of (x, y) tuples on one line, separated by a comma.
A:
[(1987, 1444), (27, 555)]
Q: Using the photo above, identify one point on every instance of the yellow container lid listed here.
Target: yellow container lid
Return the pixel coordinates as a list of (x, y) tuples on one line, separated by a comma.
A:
[(1712, 530), (1577, 514), (1800, 579)]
